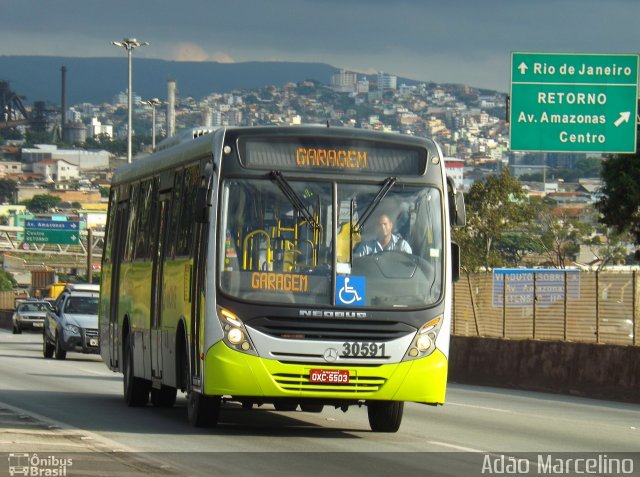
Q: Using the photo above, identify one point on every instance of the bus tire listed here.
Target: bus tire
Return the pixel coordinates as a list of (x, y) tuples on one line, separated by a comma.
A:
[(311, 407), (60, 352), (385, 416), (136, 390), (285, 405), (203, 411), (163, 397), (47, 348)]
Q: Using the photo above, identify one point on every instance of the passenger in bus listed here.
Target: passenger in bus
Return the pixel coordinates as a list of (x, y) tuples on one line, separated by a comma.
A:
[(386, 240)]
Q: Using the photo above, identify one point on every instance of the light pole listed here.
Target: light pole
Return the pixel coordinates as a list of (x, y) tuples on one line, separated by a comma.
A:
[(153, 103), (129, 44)]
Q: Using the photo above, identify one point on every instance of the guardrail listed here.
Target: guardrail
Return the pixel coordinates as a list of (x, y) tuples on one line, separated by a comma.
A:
[(561, 305)]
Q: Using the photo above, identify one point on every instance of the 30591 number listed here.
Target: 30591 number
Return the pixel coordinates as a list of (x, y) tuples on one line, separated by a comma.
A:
[(362, 350)]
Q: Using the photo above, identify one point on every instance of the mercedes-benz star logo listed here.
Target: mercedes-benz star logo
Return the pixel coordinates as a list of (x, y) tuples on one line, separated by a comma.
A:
[(331, 354)]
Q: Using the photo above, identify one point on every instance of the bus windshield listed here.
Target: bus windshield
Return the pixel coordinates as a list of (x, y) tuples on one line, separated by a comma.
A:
[(285, 243)]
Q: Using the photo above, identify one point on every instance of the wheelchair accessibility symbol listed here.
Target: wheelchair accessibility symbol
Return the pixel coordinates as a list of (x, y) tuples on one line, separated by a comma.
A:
[(350, 290)]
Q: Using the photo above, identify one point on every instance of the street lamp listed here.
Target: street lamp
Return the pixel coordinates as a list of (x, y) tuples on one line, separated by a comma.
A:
[(129, 44), (153, 103)]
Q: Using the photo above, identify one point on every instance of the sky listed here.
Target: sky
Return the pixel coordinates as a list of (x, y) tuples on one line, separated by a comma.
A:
[(446, 41)]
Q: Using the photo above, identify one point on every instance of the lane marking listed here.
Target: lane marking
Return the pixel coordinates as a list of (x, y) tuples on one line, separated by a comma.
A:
[(481, 407), (453, 446), (60, 428)]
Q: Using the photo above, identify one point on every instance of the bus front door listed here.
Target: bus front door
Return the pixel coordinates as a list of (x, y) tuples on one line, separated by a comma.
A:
[(157, 286), (119, 239)]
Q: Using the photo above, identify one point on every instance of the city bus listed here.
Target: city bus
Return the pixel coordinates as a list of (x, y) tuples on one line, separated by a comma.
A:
[(232, 271)]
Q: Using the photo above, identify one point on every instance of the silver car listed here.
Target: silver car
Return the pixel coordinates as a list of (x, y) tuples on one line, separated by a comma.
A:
[(73, 323), (30, 314)]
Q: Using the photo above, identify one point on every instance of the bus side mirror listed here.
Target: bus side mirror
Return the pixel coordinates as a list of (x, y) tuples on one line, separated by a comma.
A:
[(203, 195), (457, 213), (461, 212), (455, 262)]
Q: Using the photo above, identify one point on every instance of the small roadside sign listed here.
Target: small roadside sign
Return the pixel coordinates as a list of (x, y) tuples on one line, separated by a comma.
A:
[(55, 232), (52, 224)]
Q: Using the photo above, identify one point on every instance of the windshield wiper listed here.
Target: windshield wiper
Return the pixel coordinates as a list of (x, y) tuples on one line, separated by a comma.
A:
[(384, 190), (293, 198)]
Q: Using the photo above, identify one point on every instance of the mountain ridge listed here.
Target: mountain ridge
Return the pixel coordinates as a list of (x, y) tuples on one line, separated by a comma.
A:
[(98, 80)]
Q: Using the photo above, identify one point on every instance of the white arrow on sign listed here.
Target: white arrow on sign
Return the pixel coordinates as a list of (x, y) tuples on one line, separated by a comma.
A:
[(523, 68), (624, 118)]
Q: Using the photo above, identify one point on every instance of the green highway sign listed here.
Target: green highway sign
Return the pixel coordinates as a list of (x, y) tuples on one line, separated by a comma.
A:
[(51, 236), (573, 102)]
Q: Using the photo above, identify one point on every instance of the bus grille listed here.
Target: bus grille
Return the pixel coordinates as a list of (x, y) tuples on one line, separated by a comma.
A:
[(330, 329), (357, 384)]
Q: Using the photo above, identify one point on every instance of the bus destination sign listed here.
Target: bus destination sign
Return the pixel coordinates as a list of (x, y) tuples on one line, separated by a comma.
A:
[(343, 157)]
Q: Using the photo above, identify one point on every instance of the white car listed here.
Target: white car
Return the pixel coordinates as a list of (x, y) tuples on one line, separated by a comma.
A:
[(29, 314)]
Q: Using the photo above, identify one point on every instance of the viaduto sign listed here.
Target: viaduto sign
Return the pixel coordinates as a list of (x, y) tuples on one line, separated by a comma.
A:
[(573, 102)]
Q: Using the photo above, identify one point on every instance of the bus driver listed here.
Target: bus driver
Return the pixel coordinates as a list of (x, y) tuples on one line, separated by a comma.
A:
[(386, 240)]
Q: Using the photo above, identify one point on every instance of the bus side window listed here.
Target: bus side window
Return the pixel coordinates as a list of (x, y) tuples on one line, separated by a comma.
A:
[(187, 215), (111, 218), (144, 216), (132, 231), (175, 215)]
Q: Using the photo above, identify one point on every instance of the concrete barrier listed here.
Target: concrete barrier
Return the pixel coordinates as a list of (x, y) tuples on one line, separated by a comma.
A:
[(590, 370), (5, 319)]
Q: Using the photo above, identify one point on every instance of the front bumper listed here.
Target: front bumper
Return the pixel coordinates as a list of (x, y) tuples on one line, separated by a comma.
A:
[(29, 324), (233, 373), (87, 342)]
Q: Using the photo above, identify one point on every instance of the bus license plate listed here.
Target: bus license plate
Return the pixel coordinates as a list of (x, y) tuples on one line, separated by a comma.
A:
[(329, 376)]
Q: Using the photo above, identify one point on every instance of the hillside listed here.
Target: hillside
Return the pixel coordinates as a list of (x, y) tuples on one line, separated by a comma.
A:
[(97, 80)]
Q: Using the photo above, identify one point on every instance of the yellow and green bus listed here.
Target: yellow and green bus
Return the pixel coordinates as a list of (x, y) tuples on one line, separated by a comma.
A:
[(297, 266)]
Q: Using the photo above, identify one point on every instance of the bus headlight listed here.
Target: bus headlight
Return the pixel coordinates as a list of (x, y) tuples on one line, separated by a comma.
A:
[(424, 342), (235, 336), (234, 332)]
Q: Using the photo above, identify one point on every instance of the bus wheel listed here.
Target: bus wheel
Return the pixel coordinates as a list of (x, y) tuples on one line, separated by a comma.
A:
[(385, 416), (136, 390), (163, 397), (203, 411)]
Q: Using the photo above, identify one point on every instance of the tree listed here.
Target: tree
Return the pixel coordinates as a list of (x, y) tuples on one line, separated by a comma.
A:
[(8, 190), (37, 137), (7, 282), (494, 206), (561, 235), (611, 250), (10, 133), (42, 203), (620, 196), (514, 246)]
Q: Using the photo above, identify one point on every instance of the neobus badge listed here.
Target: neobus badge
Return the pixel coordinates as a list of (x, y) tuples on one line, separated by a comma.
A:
[(332, 314)]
